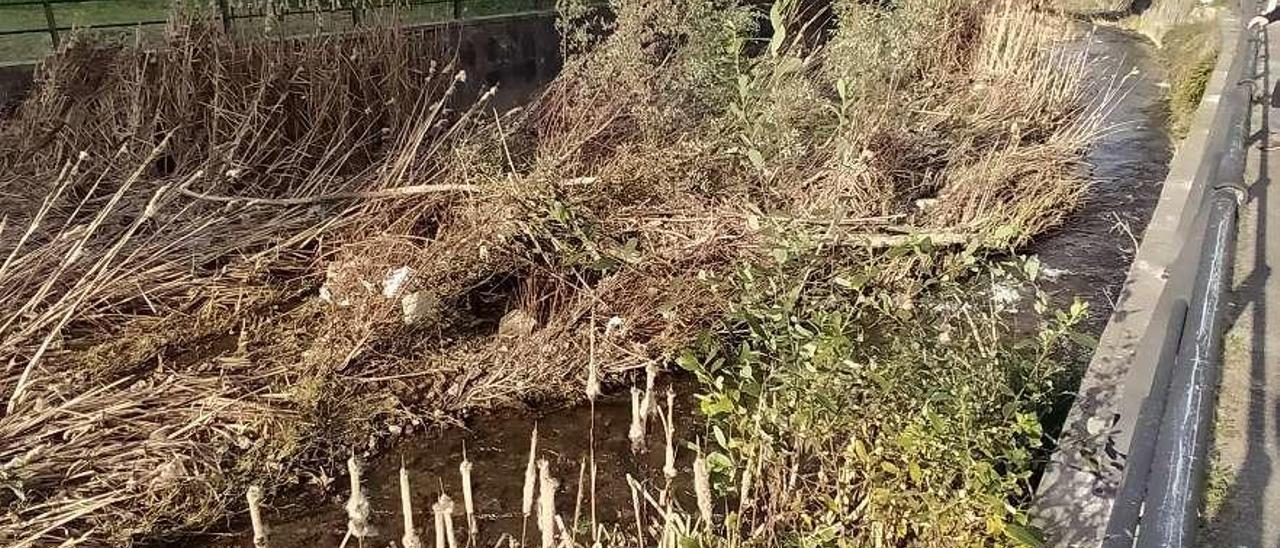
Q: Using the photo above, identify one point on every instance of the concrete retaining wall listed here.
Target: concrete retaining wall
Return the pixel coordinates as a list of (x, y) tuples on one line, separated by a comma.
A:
[(518, 53), (1111, 428)]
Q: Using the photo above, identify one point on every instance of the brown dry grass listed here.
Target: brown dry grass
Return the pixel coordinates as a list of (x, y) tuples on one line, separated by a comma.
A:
[(165, 350)]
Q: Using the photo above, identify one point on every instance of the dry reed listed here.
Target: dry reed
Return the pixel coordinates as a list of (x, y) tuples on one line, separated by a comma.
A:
[(253, 496), (547, 486), (530, 483), (157, 204), (410, 538), (702, 489), (358, 509), (468, 503)]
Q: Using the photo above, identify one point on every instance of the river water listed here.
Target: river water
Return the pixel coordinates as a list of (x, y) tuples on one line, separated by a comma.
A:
[(1088, 257)]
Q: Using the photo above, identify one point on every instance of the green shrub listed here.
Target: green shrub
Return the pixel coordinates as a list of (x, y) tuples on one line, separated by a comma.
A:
[(868, 416)]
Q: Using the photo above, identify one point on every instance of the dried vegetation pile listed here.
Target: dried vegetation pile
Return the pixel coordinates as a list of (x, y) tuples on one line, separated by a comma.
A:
[(226, 262)]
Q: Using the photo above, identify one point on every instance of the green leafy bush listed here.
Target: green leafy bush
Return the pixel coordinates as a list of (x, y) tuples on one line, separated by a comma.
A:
[(862, 416)]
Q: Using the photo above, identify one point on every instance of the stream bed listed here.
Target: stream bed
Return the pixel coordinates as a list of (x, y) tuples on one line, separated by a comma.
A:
[(1088, 257)]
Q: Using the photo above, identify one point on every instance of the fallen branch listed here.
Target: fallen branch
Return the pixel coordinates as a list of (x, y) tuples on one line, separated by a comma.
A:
[(883, 241), (400, 192)]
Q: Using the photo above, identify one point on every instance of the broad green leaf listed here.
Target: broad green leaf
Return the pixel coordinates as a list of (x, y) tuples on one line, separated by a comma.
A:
[(777, 17), (757, 159), (1024, 535), (1032, 268)]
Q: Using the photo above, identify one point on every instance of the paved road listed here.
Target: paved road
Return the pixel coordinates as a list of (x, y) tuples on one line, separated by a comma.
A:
[(1244, 489)]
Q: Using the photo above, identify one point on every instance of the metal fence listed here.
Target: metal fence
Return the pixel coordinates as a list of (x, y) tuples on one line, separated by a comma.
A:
[(229, 13)]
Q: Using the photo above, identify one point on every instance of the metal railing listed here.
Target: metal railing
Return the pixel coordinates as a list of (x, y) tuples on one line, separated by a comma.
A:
[(228, 14), (1164, 483)]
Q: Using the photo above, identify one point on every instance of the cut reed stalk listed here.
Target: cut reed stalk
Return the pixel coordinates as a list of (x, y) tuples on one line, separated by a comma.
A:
[(636, 433), (358, 510), (446, 511), (530, 484), (464, 470), (547, 486), (254, 497), (702, 490), (410, 539), (572, 537)]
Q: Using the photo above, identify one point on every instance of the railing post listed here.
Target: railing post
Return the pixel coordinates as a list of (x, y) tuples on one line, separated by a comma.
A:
[(53, 25), (457, 9), (225, 12)]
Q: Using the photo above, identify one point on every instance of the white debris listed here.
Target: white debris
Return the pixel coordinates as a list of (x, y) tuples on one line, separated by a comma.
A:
[(395, 280), (516, 323), (1051, 274), (418, 306), (331, 292), (1005, 295), (326, 295), (615, 323)]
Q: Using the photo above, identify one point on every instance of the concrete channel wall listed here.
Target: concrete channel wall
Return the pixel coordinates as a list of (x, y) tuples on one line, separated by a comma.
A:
[(518, 52), (1107, 441)]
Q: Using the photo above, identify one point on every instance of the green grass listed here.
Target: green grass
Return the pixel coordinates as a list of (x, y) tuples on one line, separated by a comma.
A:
[(916, 420), (1190, 52), (29, 47)]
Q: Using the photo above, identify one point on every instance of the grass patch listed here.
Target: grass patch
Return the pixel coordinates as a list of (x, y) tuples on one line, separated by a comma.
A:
[(874, 416), (1219, 481), (1190, 52), (30, 47)]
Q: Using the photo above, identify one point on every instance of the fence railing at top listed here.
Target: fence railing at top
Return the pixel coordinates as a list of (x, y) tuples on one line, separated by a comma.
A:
[(229, 13)]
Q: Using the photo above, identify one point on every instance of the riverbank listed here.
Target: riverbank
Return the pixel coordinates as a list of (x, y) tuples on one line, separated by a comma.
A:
[(704, 201), (1086, 258)]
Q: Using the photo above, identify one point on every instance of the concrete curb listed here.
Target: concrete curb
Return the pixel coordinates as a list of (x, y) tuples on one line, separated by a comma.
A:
[(1114, 419)]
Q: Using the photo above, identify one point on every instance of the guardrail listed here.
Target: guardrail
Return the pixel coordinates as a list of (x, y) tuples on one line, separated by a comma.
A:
[(1175, 485), (228, 14), (1131, 462)]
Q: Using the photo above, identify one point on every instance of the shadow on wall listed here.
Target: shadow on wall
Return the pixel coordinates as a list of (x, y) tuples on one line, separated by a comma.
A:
[(518, 54), (15, 81)]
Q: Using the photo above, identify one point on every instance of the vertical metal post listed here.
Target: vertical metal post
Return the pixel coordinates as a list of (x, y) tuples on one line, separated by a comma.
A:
[(225, 12), (53, 25), (457, 9)]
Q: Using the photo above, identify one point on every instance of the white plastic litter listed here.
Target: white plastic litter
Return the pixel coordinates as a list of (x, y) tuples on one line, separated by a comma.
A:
[(395, 280), (417, 306)]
